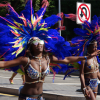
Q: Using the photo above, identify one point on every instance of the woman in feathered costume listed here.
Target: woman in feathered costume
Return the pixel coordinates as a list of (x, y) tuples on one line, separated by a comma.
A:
[(87, 42), (28, 31)]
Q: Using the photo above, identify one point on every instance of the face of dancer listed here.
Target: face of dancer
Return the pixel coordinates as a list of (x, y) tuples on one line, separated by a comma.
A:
[(92, 47), (37, 45)]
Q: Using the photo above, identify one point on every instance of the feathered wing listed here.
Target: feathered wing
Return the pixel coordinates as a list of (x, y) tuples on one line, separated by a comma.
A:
[(90, 32), (16, 30)]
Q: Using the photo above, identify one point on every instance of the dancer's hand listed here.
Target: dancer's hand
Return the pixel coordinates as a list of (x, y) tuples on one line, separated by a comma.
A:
[(87, 94), (96, 53)]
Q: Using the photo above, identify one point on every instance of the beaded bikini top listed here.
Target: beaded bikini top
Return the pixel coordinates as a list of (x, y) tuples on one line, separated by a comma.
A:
[(91, 66), (34, 74)]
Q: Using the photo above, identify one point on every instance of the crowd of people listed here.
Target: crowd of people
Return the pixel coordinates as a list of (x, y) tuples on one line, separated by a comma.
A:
[(27, 40)]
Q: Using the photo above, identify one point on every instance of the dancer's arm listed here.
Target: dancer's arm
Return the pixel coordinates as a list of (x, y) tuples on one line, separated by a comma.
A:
[(90, 95), (82, 79), (82, 75), (12, 63), (71, 59), (99, 75)]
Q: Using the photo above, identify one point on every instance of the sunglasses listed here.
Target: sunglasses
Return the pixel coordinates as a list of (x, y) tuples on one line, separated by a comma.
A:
[(36, 42)]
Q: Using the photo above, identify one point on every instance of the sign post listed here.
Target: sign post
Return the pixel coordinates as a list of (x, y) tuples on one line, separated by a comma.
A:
[(59, 7), (83, 12), (82, 0)]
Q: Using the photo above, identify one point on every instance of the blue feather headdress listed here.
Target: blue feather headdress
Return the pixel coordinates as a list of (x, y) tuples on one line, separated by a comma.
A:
[(90, 32), (16, 30)]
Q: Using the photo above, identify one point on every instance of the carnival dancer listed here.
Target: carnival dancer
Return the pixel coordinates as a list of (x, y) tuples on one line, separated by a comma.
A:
[(87, 43), (36, 68), (89, 71), (31, 32)]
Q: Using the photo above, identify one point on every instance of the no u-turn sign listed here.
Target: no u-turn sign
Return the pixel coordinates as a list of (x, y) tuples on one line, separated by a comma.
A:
[(83, 12)]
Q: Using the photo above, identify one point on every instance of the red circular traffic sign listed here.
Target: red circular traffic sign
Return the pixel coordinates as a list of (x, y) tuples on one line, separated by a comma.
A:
[(79, 8)]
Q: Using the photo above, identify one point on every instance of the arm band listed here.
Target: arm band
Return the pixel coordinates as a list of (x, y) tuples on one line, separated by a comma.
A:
[(85, 58)]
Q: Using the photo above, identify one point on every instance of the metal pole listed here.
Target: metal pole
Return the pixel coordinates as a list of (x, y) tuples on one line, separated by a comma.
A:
[(59, 7)]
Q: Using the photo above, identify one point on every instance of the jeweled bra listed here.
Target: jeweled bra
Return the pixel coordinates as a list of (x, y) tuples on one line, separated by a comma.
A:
[(96, 69), (34, 74)]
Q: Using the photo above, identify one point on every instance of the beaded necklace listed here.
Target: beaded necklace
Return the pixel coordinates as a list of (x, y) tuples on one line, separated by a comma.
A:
[(39, 66), (94, 65)]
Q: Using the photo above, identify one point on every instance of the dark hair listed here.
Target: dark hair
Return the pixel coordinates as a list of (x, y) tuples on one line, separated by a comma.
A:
[(88, 46), (91, 43)]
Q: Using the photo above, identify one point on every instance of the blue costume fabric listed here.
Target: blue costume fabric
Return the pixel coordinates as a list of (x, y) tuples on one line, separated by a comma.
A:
[(93, 83)]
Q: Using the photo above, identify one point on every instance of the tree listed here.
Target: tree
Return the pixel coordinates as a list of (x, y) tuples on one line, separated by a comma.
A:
[(67, 6), (18, 5), (37, 5)]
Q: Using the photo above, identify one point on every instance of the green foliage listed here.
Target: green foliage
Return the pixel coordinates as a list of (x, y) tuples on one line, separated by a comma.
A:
[(17, 4), (37, 5), (51, 9), (67, 6), (3, 10)]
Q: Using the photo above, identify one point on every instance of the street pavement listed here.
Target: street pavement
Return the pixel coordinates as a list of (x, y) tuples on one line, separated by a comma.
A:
[(59, 90), (8, 97)]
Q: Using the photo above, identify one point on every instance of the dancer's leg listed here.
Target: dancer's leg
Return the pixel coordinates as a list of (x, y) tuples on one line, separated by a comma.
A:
[(92, 96), (11, 79)]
